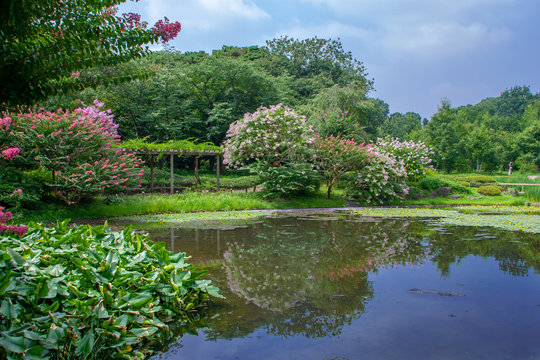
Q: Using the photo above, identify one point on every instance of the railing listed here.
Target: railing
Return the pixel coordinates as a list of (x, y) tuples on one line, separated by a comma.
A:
[(506, 185)]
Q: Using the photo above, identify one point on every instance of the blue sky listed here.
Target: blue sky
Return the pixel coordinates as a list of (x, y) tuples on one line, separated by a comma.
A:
[(417, 51)]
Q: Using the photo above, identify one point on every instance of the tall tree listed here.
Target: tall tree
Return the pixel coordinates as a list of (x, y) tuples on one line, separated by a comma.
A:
[(446, 135), (316, 63), (400, 125), (46, 44)]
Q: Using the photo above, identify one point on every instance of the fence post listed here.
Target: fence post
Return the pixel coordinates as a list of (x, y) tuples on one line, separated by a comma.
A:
[(217, 172), (172, 173)]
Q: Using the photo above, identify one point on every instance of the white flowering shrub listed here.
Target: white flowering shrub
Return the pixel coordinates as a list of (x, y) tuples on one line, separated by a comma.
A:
[(416, 156), (273, 135), (383, 178)]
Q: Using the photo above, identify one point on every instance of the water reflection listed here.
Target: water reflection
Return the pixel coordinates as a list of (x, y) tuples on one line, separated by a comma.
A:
[(313, 276)]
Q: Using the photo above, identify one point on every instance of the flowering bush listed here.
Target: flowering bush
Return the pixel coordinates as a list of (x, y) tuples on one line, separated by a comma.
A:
[(5, 227), (6, 216), (383, 178), (75, 147), (271, 135), (416, 156), (335, 156)]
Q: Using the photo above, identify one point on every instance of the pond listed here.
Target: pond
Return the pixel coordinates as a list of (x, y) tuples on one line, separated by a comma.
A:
[(342, 286)]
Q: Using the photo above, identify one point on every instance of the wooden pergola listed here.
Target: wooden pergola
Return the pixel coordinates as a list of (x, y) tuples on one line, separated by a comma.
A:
[(183, 153)]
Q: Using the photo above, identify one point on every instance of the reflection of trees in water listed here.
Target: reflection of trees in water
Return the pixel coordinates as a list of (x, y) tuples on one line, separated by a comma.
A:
[(516, 252), (310, 277)]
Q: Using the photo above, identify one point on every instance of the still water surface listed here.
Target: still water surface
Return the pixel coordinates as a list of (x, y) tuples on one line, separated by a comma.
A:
[(343, 287)]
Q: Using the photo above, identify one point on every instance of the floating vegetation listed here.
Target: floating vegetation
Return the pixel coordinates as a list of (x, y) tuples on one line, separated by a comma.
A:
[(198, 219), (515, 218)]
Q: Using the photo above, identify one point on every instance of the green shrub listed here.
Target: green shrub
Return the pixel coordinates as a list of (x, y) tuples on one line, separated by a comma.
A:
[(489, 190), (482, 179), (431, 183), (88, 292), (464, 183), (289, 180)]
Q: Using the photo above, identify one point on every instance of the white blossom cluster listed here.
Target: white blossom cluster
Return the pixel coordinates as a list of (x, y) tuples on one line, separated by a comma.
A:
[(273, 135)]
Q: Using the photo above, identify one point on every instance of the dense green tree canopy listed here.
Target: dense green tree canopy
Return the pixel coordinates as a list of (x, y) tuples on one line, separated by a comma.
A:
[(45, 44)]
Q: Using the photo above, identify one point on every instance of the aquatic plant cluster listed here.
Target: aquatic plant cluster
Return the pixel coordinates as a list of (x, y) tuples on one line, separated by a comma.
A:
[(87, 292), (198, 217), (276, 137), (526, 219)]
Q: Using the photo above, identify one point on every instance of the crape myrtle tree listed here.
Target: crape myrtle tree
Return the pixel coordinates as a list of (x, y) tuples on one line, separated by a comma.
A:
[(46, 44), (274, 143)]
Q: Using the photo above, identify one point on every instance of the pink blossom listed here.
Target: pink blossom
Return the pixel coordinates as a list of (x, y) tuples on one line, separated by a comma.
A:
[(11, 153)]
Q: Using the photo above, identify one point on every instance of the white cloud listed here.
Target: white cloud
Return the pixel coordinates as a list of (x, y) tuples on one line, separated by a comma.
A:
[(236, 8), (440, 40), (331, 29), (423, 29), (206, 14)]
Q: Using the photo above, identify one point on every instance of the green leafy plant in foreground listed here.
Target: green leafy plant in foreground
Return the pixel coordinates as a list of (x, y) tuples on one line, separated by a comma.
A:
[(90, 293)]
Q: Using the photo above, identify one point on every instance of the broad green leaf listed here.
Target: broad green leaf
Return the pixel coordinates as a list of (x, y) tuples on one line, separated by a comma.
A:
[(85, 345), (32, 335), (10, 310), (137, 301), (100, 311), (16, 257), (16, 344), (55, 270), (144, 332), (36, 353)]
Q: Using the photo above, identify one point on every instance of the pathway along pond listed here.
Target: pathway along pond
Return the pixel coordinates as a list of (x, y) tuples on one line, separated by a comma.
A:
[(338, 286)]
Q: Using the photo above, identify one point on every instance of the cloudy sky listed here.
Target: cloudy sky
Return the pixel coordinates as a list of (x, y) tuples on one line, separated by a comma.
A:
[(417, 51)]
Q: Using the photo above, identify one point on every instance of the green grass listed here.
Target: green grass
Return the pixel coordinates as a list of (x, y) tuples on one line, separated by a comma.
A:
[(152, 204), (485, 200), (192, 201), (532, 193)]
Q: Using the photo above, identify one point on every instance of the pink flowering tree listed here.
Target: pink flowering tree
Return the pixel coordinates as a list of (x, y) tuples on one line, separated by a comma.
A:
[(74, 147), (416, 156), (335, 156)]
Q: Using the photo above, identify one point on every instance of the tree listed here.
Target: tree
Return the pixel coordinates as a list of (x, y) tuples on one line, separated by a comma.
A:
[(446, 135), (315, 64), (400, 125), (346, 111), (46, 44), (335, 156)]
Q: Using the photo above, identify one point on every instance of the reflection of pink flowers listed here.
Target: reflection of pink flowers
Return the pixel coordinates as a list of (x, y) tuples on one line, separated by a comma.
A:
[(11, 153)]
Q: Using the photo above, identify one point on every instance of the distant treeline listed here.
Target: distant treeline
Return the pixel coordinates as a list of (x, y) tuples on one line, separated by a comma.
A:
[(198, 95)]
